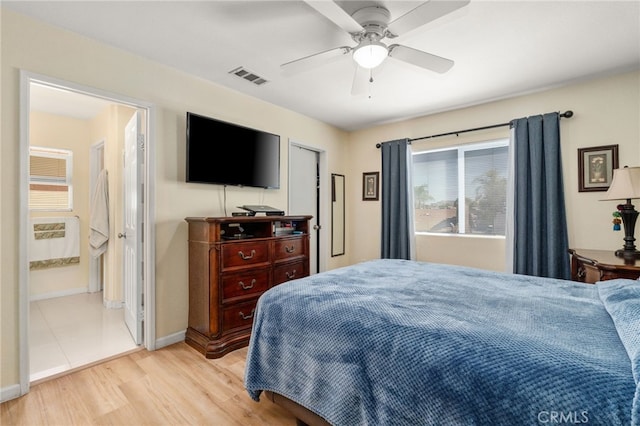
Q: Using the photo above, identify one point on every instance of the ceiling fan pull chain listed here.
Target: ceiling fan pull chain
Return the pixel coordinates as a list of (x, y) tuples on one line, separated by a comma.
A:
[(370, 81)]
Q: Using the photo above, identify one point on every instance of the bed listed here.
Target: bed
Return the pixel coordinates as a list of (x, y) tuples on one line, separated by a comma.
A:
[(395, 342)]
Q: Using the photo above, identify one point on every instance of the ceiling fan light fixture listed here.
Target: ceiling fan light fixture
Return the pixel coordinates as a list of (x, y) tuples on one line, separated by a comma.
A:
[(370, 53)]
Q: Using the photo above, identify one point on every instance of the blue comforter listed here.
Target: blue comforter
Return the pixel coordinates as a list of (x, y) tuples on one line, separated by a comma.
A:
[(393, 342)]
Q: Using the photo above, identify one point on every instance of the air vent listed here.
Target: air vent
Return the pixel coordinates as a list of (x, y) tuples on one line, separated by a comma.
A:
[(249, 76)]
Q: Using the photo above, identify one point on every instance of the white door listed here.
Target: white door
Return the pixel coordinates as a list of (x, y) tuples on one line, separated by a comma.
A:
[(303, 194), (131, 235)]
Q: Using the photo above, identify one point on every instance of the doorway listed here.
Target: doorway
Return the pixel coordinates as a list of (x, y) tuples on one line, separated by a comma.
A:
[(305, 195), (96, 166), (99, 293)]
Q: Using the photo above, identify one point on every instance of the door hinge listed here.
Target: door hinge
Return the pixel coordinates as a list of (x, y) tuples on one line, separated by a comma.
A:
[(141, 141), (141, 315)]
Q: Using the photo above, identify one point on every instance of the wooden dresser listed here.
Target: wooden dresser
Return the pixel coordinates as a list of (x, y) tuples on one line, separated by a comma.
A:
[(589, 266), (232, 261)]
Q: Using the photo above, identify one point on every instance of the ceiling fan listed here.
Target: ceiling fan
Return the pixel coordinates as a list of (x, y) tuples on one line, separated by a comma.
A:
[(368, 27)]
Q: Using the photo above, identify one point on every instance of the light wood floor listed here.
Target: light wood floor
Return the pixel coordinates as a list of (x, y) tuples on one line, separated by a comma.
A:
[(175, 385)]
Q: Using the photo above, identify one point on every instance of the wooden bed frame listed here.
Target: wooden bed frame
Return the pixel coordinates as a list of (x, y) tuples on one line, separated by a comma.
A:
[(304, 416)]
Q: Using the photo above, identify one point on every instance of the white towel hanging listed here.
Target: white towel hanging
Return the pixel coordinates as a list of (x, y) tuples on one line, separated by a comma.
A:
[(99, 216)]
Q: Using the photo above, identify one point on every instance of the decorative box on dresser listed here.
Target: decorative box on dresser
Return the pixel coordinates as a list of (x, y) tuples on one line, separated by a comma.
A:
[(232, 261), (590, 266)]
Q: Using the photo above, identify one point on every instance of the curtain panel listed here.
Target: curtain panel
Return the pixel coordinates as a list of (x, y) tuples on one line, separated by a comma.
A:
[(397, 240), (539, 237)]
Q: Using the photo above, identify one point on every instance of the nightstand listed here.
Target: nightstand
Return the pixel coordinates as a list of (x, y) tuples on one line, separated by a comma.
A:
[(589, 266)]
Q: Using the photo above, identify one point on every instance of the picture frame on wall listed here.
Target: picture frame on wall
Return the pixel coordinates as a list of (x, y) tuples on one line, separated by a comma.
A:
[(595, 167), (370, 186)]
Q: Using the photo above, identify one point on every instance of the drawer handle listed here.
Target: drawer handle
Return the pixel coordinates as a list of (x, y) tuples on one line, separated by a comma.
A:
[(246, 257), (291, 275), (290, 249), (247, 287), (246, 317)]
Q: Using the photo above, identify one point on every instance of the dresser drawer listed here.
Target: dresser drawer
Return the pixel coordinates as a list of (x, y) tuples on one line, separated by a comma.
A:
[(244, 254), (289, 271), (239, 316), (247, 284), (286, 249), (232, 262)]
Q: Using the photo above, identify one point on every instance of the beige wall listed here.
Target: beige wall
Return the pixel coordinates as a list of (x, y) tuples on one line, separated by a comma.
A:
[(35, 47), (108, 126), (53, 131), (607, 111)]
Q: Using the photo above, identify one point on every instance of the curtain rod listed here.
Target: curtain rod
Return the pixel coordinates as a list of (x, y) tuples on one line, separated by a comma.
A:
[(567, 114)]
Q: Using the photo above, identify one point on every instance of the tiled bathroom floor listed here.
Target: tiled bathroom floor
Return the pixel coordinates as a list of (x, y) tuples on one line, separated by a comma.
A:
[(72, 331)]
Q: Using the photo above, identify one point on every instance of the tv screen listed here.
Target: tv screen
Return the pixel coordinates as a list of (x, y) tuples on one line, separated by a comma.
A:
[(227, 154)]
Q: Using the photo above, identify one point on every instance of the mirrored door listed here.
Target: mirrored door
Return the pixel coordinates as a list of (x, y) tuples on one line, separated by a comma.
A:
[(337, 215)]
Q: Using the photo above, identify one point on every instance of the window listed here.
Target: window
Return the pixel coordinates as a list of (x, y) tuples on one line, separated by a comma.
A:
[(468, 181), (50, 179)]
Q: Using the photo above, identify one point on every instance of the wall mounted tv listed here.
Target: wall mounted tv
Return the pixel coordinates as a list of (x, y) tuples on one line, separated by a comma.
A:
[(227, 154)]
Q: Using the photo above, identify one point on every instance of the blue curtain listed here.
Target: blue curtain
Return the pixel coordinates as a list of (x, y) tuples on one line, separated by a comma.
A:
[(540, 237), (397, 203)]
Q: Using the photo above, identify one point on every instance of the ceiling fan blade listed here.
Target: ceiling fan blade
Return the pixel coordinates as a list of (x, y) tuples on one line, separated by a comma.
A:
[(336, 14), (421, 59), (423, 14), (313, 61)]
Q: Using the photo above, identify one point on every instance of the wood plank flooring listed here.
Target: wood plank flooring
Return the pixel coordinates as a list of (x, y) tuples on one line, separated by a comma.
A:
[(175, 385)]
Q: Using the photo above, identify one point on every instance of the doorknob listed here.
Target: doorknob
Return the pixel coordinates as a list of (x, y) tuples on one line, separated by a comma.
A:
[(121, 235), (316, 227)]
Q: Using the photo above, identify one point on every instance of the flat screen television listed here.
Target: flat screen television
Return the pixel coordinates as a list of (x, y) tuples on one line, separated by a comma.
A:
[(227, 154)]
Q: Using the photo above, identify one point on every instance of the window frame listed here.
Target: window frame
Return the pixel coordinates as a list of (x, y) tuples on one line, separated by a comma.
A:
[(461, 150), (57, 153)]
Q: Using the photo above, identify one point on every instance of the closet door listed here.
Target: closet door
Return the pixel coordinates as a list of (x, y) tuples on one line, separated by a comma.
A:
[(304, 194)]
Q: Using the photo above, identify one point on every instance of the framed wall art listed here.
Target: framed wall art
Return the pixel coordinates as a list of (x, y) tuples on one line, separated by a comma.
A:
[(595, 167), (370, 186)]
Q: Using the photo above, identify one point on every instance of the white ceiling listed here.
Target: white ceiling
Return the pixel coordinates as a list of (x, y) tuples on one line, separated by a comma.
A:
[(500, 48)]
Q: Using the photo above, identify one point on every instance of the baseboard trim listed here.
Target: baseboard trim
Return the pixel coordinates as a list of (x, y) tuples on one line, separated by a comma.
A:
[(61, 293), (9, 392), (170, 339), (113, 304)]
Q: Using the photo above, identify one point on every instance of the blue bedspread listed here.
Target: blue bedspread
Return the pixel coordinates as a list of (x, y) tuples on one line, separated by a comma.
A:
[(393, 342)]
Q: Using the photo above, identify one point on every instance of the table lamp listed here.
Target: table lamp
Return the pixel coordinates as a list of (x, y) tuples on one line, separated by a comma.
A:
[(625, 186)]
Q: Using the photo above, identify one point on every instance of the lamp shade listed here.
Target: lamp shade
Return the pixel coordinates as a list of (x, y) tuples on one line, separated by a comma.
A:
[(370, 53), (625, 184)]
